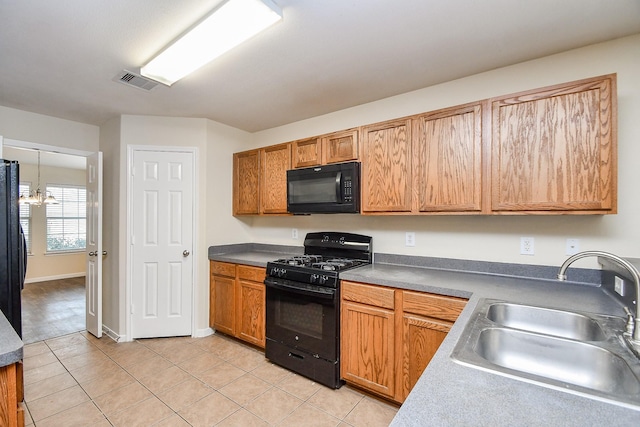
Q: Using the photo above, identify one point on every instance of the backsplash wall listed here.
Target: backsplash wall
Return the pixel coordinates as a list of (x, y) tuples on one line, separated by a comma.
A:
[(488, 238)]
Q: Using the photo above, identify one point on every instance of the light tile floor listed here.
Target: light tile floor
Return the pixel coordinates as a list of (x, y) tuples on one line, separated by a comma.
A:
[(78, 380), (52, 309)]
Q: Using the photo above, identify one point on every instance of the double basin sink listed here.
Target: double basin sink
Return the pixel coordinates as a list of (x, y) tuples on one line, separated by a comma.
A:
[(581, 353)]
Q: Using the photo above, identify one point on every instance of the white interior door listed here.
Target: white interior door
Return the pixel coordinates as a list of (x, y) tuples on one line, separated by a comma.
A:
[(162, 239), (94, 245)]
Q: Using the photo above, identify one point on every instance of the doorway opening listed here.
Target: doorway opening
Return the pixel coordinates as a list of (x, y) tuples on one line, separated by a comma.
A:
[(53, 298)]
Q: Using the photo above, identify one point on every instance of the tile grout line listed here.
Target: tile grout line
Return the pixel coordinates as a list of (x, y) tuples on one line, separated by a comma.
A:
[(226, 358)]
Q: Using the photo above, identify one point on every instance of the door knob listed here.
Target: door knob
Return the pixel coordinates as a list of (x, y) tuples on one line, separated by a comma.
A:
[(104, 253), (185, 253), (92, 254)]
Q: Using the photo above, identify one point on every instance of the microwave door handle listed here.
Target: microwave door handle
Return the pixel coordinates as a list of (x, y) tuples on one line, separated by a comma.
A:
[(339, 187)]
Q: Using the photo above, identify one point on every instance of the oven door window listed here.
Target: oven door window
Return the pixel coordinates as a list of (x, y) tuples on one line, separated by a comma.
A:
[(303, 321)]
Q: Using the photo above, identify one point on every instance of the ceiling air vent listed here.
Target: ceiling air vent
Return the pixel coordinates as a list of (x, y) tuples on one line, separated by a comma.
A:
[(136, 80)]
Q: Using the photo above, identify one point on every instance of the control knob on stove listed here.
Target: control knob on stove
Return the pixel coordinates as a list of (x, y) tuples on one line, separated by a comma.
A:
[(279, 272), (320, 279)]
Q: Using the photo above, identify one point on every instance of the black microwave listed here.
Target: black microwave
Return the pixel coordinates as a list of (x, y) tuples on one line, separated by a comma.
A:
[(324, 189)]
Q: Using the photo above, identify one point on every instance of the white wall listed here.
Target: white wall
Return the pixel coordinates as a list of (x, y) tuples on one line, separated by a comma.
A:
[(490, 238), (40, 129), (180, 132), (222, 227), (42, 266), (215, 225)]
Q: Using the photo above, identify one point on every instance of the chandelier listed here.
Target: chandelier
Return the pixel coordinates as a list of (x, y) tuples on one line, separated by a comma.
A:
[(37, 198)]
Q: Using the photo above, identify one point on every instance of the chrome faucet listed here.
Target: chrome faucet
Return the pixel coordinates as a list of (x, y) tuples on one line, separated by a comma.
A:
[(633, 326)]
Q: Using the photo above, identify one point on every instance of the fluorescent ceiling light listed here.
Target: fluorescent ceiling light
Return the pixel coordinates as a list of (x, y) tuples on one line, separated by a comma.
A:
[(231, 23)]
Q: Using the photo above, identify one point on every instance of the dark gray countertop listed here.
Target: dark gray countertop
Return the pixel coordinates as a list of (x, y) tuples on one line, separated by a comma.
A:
[(10, 343), (451, 394), (254, 254)]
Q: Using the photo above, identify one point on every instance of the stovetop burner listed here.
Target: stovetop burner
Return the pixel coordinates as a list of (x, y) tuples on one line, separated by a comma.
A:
[(325, 255), (320, 262)]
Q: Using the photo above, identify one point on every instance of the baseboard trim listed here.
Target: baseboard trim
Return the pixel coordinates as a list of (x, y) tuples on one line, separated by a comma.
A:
[(56, 277), (201, 333)]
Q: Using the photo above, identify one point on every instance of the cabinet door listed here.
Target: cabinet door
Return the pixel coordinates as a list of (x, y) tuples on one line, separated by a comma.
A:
[(276, 160), (421, 339), (555, 149), (448, 160), (386, 167), (340, 146), (307, 152), (246, 172), (251, 312), (223, 304), (251, 305), (10, 412), (367, 347)]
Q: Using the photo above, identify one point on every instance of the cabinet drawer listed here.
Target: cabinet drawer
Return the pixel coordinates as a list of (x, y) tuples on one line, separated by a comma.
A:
[(254, 274), (367, 294), (435, 306), (222, 268)]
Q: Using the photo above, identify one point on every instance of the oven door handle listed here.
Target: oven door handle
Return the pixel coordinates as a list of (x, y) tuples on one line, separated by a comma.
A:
[(319, 292)]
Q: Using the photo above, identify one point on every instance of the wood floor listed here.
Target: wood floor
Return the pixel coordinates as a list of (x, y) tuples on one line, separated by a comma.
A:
[(53, 309)]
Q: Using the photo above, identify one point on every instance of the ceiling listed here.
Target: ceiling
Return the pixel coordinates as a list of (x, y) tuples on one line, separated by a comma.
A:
[(60, 58)]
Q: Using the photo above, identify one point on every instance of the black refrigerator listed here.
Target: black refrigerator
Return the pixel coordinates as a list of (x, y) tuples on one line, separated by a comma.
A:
[(13, 251)]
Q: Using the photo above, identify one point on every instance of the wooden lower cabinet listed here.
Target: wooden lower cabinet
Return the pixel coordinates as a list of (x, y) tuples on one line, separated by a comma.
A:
[(11, 395), (237, 301), (368, 354), (250, 306), (390, 335), (222, 314), (420, 341)]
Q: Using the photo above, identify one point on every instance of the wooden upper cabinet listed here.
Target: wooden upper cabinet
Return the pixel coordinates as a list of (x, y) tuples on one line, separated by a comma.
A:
[(275, 161), (545, 151), (246, 173), (335, 147), (554, 149), (307, 152), (386, 167), (447, 155), (340, 146)]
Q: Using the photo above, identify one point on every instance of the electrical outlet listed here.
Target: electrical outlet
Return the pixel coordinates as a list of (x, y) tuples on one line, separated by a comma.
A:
[(410, 238), (573, 246), (619, 286), (294, 233), (526, 246)]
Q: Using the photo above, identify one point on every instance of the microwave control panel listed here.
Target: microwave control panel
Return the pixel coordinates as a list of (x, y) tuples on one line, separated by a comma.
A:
[(347, 189)]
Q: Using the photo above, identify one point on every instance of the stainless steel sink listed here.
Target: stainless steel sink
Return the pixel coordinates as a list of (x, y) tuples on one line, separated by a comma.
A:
[(580, 353), (546, 321), (559, 359)]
